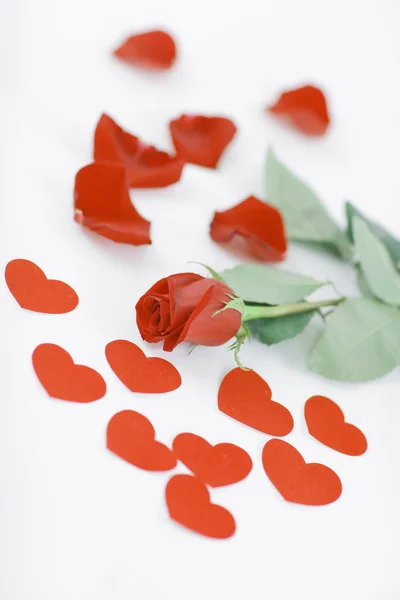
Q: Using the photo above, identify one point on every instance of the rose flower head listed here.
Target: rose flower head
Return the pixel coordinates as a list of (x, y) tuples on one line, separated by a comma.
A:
[(185, 308)]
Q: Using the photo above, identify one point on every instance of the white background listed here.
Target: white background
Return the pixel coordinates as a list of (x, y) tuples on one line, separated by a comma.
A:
[(77, 523)]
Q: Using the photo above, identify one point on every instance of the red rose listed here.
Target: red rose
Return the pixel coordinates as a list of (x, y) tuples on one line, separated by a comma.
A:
[(180, 308)]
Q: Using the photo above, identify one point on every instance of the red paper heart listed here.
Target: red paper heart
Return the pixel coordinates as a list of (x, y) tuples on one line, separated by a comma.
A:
[(304, 483), (102, 204), (132, 437), (63, 379), (201, 140), (246, 397), (189, 505), (218, 465), (146, 167), (258, 223), (325, 422), (149, 50), (139, 373), (33, 291), (305, 108)]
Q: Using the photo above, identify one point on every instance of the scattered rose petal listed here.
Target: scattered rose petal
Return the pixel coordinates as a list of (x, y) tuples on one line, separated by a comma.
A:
[(304, 483), (102, 204), (325, 422), (222, 464), (63, 379), (259, 223), (146, 167), (139, 373), (189, 504), (148, 50), (246, 397), (131, 436), (33, 291), (305, 108), (201, 140)]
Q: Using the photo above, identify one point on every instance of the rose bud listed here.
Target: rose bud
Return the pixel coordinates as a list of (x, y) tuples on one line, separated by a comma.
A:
[(183, 307)]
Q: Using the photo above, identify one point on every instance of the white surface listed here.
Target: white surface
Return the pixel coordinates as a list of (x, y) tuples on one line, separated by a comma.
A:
[(76, 522)]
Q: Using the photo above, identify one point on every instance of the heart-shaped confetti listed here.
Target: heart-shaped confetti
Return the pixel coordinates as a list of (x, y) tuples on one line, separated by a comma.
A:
[(326, 423), (140, 373), (246, 397), (33, 291), (131, 436), (217, 465), (201, 140), (189, 504), (300, 482), (63, 379)]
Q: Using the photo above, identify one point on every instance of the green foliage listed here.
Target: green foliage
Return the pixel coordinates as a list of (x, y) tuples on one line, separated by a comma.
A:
[(273, 331), (306, 219), (267, 285), (376, 264), (360, 342)]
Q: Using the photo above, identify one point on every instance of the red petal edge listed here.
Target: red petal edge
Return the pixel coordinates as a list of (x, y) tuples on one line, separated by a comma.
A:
[(201, 140), (146, 166), (258, 223), (305, 108), (148, 50), (102, 204)]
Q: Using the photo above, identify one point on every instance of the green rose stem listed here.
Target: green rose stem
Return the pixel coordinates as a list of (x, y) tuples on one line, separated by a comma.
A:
[(270, 312)]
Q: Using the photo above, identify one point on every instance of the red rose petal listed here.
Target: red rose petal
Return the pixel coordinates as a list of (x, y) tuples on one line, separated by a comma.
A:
[(222, 464), (63, 379), (131, 436), (305, 108), (189, 504), (325, 422), (246, 397), (201, 140), (146, 167), (33, 291), (102, 204), (259, 223), (139, 373), (149, 50), (304, 483)]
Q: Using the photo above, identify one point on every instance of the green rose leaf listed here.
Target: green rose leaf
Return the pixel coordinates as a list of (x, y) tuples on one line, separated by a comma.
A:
[(267, 285), (391, 243), (360, 342), (363, 285), (306, 219), (376, 263), (273, 331)]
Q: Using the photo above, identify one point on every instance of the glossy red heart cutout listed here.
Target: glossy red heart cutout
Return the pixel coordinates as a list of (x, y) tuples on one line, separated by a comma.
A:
[(246, 397), (33, 291), (188, 502), (63, 379), (146, 167), (326, 423), (139, 373), (305, 108), (131, 436), (148, 50), (217, 465), (201, 140), (300, 482)]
